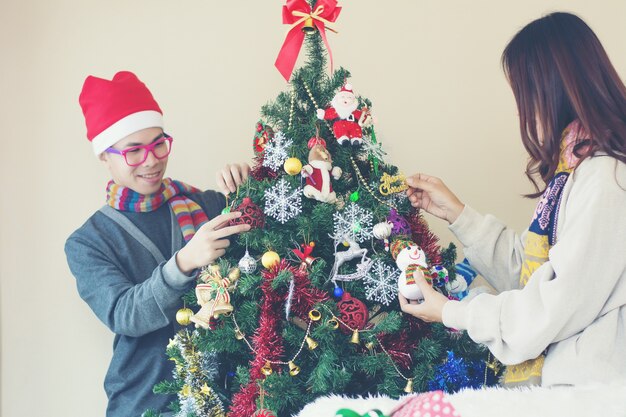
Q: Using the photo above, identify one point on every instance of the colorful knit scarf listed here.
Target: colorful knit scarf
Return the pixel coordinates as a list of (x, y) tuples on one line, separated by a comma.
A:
[(540, 238), (188, 213)]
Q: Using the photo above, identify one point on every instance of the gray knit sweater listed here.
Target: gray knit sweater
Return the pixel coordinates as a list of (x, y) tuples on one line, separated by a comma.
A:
[(574, 305), (135, 293)]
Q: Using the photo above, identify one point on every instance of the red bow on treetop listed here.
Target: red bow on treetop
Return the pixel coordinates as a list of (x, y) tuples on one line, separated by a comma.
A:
[(297, 13)]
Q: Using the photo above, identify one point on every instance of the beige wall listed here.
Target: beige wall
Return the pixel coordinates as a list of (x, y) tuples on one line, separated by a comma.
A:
[(430, 67)]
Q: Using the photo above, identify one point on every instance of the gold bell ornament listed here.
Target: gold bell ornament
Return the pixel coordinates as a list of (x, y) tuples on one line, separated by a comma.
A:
[(315, 315), (239, 334), (333, 323), (355, 337), (311, 343), (293, 368), (267, 369), (308, 26), (409, 386)]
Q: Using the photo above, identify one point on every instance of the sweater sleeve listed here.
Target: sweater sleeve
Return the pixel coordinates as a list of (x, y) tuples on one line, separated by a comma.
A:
[(126, 308), (569, 291), (492, 249)]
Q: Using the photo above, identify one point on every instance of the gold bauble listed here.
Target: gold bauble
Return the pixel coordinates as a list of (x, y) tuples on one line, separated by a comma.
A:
[(292, 166), (183, 316), (234, 274), (269, 259)]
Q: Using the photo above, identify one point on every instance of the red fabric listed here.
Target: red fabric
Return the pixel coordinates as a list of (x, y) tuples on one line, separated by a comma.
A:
[(347, 128), (288, 54), (105, 102), (316, 180)]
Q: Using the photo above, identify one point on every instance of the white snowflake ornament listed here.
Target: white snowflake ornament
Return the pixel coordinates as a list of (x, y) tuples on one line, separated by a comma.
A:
[(381, 283), (282, 203), (354, 222), (276, 151)]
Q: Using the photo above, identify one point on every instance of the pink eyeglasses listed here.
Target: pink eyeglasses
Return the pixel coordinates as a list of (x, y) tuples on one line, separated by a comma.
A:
[(137, 155)]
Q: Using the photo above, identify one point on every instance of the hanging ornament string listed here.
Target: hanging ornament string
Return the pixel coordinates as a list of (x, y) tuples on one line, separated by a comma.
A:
[(366, 185), (239, 334), (409, 381), (291, 108), (229, 206), (354, 165), (302, 20)]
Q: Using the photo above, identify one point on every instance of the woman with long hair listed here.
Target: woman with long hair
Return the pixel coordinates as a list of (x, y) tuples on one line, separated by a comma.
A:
[(560, 314)]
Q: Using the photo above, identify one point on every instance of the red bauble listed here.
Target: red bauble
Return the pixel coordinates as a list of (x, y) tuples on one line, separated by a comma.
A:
[(353, 312), (250, 214)]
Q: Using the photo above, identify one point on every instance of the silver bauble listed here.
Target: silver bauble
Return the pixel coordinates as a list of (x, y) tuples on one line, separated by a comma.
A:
[(247, 264)]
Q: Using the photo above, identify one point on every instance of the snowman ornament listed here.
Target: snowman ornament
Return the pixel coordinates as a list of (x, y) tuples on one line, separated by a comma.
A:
[(411, 260)]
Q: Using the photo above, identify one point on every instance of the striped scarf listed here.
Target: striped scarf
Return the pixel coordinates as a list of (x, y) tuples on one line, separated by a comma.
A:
[(540, 238), (188, 213)]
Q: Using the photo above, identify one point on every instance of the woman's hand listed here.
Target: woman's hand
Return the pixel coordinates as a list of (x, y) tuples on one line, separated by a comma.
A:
[(432, 195), (431, 309), (232, 176), (209, 242)]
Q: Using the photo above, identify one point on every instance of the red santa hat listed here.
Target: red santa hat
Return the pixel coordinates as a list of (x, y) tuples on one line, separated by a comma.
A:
[(116, 108), (347, 88), (316, 140)]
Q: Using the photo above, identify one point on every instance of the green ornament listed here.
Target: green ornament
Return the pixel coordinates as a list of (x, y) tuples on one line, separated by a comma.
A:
[(354, 197), (356, 228), (226, 210)]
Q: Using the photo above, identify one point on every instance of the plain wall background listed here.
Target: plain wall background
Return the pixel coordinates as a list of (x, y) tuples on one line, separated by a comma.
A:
[(431, 69)]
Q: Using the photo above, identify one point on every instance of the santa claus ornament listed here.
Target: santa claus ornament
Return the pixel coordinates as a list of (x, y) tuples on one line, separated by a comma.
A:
[(318, 172), (411, 260), (348, 120)]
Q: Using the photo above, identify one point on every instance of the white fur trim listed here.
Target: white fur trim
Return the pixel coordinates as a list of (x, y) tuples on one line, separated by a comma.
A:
[(584, 401), (124, 127)]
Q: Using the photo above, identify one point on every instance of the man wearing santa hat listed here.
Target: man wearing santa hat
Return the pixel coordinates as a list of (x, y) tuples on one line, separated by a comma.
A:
[(136, 256)]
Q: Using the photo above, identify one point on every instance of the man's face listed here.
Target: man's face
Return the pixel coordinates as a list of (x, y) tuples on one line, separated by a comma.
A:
[(145, 178)]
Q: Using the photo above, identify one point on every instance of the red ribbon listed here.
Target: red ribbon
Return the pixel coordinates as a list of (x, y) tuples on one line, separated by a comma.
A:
[(296, 13)]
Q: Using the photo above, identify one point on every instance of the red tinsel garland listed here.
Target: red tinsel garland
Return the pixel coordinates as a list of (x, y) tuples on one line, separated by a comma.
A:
[(259, 172), (267, 343), (267, 340), (421, 234)]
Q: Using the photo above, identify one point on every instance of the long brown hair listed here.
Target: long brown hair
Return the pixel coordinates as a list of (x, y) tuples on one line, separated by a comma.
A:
[(559, 72)]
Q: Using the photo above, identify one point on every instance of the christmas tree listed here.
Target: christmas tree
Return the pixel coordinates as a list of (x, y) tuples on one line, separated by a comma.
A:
[(331, 227)]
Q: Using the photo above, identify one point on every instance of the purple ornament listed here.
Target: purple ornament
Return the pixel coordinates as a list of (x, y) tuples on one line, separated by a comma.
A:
[(400, 224)]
